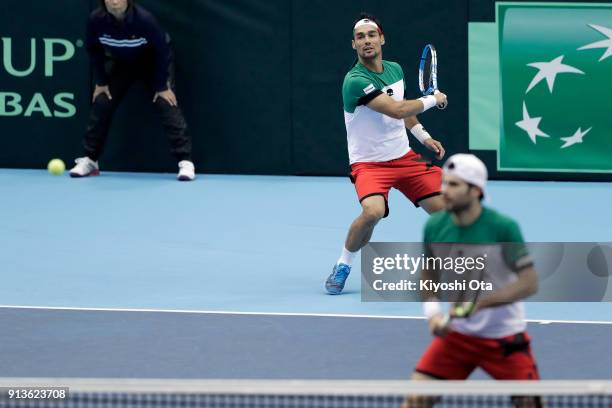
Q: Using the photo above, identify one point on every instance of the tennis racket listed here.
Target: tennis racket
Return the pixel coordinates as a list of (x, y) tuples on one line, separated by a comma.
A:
[(465, 302), (428, 72), (459, 310)]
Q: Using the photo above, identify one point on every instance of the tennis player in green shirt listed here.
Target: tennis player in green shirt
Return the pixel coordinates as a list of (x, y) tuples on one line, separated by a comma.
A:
[(492, 334), (376, 115)]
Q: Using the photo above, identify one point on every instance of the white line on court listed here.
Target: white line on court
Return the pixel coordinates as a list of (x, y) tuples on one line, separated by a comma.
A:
[(223, 312)]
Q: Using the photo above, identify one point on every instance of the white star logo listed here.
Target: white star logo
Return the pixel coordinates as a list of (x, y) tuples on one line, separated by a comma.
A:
[(575, 138), (530, 125), (549, 71), (601, 44)]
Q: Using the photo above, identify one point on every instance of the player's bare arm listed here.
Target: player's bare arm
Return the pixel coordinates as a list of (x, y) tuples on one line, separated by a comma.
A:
[(402, 109), (411, 121)]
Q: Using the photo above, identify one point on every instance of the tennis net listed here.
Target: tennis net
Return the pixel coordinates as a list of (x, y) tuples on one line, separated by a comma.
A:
[(98, 393)]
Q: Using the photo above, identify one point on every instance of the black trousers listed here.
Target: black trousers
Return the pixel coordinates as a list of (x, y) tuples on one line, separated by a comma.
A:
[(120, 78)]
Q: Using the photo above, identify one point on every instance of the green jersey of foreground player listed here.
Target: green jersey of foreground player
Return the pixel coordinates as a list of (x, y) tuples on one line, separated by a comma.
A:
[(376, 116)]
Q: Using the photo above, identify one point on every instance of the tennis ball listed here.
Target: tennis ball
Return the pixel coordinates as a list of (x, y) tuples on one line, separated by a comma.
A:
[(56, 167), (459, 311)]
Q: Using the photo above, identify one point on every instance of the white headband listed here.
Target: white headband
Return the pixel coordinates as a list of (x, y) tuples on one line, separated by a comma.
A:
[(365, 21)]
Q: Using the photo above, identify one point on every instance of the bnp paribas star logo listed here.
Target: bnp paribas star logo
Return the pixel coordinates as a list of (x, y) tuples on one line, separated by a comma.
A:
[(556, 80), (548, 71)]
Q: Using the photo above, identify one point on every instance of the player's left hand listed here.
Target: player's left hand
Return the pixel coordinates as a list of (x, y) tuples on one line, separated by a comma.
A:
[(436, 147), (438, 325), (168, 95)]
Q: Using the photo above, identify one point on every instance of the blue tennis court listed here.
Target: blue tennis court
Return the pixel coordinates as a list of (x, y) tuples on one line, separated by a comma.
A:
[(134, 275)]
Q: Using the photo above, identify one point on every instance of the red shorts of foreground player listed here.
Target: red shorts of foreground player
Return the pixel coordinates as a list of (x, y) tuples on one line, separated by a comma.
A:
[(411, 174), (455, 356)]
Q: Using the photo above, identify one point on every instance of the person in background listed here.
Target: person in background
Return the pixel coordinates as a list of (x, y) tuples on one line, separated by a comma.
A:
[(126, 44)]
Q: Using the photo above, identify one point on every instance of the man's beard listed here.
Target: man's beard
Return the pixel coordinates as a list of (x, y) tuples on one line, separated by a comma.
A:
[(458, 209), (370, 58)]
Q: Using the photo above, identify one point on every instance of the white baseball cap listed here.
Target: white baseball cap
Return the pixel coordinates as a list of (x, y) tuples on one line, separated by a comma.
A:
[(468, 168)]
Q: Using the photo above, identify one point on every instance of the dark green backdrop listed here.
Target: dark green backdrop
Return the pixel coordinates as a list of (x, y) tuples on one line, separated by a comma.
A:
[(30, 141), (259, 82)]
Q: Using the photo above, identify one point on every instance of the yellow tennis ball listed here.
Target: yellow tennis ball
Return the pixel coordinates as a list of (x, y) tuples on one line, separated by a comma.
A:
[(459, 311), (56, 167)]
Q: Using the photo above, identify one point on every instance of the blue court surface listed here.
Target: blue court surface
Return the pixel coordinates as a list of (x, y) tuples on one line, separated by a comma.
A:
[(140, 276)]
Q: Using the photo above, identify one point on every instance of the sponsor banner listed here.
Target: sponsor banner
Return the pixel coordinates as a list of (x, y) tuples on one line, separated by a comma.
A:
[(555, 64)]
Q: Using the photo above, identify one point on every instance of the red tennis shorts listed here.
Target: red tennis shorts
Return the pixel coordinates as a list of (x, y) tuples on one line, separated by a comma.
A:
[(411, 174), (456, 355)]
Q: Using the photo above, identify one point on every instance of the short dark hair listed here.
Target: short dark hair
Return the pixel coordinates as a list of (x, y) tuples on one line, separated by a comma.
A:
[(103, 4), (367, 16)]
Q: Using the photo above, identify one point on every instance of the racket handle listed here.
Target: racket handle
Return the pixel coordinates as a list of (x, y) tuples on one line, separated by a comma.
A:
[(441, 106)]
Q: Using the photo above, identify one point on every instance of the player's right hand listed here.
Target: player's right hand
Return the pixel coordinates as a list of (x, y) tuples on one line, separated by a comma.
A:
[(438, 325), (101, 90), (441, 99)]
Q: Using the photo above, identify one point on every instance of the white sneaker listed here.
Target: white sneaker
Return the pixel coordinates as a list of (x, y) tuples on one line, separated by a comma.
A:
[(186, 171), (85, 167)]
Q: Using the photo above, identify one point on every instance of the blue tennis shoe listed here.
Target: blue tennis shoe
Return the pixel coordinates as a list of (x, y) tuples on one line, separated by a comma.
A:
[(335, 283)]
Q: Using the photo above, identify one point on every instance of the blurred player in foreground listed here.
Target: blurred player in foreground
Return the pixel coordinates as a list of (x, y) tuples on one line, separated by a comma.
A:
[(376, 117), (492, 333), (126, 44)]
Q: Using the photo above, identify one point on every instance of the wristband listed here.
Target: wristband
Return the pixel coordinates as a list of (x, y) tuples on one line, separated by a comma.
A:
[(420, 133), (428, 101), (431, 308)]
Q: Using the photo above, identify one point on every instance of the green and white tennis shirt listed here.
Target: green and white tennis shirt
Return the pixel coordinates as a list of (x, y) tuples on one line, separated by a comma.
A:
[(373, 136), (499, 238)]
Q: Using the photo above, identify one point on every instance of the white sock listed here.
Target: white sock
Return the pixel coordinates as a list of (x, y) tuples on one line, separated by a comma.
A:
[(347, 257)]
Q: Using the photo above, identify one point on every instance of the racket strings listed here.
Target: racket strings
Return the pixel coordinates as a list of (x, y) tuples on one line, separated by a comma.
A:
[(427, 78), (427, 72)]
